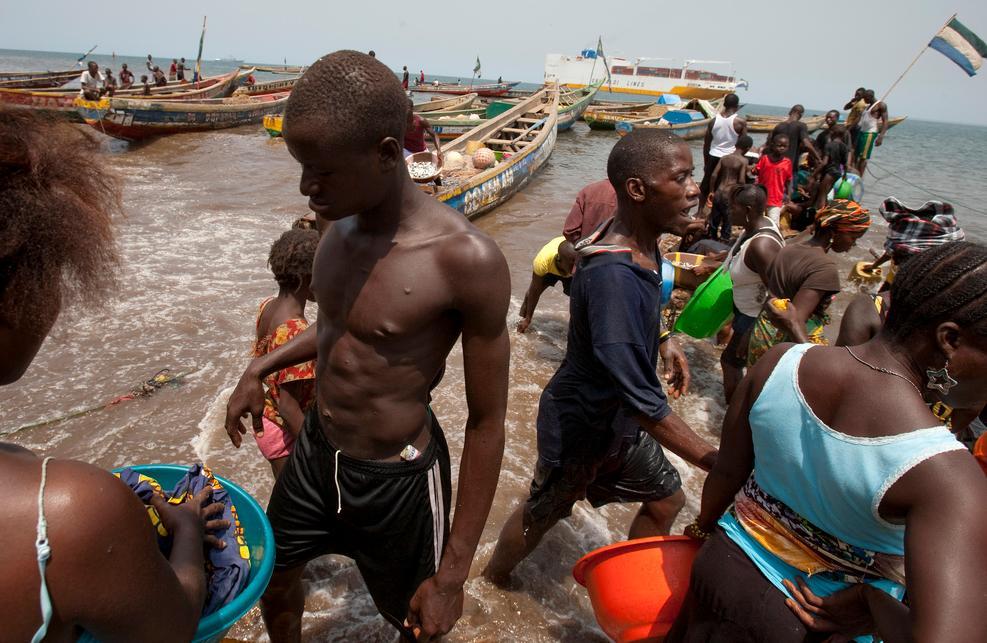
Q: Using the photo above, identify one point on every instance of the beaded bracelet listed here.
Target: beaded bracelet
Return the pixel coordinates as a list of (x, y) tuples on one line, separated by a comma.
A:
[(694, 531)]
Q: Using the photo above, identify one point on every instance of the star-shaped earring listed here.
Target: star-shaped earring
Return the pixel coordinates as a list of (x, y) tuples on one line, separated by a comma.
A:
[(940, 380)]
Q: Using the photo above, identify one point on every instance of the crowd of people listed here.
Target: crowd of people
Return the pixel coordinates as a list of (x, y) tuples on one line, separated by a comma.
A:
[(834, 475), (96, 84)]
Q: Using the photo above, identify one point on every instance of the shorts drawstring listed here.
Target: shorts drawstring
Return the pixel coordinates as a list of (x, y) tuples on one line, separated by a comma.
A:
[(339, 494)]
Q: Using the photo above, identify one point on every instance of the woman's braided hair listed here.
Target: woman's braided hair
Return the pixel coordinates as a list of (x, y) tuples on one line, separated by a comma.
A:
[(945, 283), (292, 256)]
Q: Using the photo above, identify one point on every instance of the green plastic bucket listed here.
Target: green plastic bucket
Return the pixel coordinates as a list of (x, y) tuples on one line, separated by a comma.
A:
[(256, 532), (710, 306)]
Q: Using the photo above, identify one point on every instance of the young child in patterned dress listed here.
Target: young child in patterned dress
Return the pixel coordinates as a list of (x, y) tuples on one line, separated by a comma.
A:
[(291, 391)]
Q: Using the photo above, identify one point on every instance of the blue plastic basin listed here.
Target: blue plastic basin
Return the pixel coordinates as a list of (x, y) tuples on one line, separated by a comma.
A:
[(256, 532)]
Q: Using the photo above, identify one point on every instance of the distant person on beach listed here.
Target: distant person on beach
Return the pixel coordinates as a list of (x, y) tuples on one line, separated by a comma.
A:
[(720, 141), (603, 416), (856, 105), (747, 263), (397, 284), (798, 139), (80, 557), (92, 82), (415, 131), (873, 125), (126, 77), (421, 76), (835, 482), (159, 77), (149, 63), (290, 391), (774, 172), (552, 265), (147, 87), (110, 84), (173, 70), (594, 204), (806, 275), (180, 71), (404, 79), (372, 53), (731, 170)]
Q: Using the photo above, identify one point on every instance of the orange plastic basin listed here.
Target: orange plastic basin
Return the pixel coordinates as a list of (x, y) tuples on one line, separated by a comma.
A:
[(637, 587), (980, 451)]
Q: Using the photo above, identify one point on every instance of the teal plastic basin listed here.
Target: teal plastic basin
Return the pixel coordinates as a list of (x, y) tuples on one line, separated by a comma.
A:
[(256, 532)]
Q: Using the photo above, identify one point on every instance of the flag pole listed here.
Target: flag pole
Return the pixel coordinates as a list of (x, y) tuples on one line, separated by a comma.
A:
[(599, 41), (198, 60), (907, 69)]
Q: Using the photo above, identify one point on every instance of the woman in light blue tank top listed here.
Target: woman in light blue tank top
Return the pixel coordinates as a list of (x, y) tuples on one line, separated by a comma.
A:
[(78, 554), (834, 478)]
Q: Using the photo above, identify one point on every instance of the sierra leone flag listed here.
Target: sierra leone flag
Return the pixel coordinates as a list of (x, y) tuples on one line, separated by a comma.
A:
[(960, 45)]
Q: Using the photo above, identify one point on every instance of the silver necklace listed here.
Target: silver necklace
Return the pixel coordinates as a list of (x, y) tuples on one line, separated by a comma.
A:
[(884, 370)]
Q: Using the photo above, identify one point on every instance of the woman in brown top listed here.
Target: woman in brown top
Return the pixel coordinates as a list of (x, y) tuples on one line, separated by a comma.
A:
[(806, 275)]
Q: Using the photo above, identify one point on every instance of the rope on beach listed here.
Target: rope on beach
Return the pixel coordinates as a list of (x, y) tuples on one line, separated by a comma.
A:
[(142, 389), (941, 197)]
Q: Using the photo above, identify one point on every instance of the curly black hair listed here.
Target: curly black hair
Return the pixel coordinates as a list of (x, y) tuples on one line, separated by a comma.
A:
[(57, 206), (945, 283), (292, 256)]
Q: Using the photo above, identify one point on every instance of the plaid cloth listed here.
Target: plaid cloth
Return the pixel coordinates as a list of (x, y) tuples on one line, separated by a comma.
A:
[(912, 230)]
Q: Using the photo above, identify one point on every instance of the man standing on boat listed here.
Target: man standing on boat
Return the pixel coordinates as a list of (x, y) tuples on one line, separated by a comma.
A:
[(603, 415), (404, 80), (399, 278), (180, 72), (126, 77), (721, 140)]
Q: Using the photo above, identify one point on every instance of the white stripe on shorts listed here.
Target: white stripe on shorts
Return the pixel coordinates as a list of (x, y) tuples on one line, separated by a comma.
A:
[(437, 503)]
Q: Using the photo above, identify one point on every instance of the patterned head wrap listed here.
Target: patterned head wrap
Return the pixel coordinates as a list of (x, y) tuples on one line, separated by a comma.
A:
[(843, 215), (912, 230)]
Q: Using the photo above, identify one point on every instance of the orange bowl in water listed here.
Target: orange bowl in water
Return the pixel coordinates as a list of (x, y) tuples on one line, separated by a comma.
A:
[(637, 587)]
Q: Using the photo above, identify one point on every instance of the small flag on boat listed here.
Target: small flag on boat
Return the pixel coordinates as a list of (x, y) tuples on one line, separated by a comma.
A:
[(600, 54), (960, 45), (476, 70)]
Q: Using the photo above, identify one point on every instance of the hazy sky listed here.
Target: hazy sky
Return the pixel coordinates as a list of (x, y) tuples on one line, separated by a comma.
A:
[(789, 50)]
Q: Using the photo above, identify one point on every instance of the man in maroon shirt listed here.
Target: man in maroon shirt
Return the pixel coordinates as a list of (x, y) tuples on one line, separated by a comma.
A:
[(414, 136), (594, 204)]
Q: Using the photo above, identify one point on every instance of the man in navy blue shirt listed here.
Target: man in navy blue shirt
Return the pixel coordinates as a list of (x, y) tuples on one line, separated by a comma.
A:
[(603, 414)]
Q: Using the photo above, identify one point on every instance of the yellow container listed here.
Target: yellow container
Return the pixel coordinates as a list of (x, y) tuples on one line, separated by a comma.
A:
[(472, 146)]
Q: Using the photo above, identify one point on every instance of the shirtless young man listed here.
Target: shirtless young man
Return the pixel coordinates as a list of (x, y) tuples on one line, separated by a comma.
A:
[(398, 278), (730, 171)]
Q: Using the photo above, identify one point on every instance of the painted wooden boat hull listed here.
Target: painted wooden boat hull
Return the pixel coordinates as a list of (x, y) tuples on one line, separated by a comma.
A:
[(63, 103), (689, 131), (490, 188), (577, 103), (14, 80), (764, 124), (607, 120), (446, 104), (136, 120), (489, 89), (270, 87), (279, 69), (273, 124)]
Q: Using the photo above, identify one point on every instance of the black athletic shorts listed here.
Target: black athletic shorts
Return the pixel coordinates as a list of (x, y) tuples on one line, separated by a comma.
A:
[(639, 472), (392, 518)]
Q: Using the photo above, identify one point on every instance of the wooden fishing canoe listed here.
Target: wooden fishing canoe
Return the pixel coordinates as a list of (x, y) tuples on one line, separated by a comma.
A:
[(446, 104), (269, 87), (273, 124), (894, 121), (486, 89), (523, 137), (691, 130), (63, 102), (573, 102), (279, 69), (764, 124), (601, 119), (135, 120), (36, 79)]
